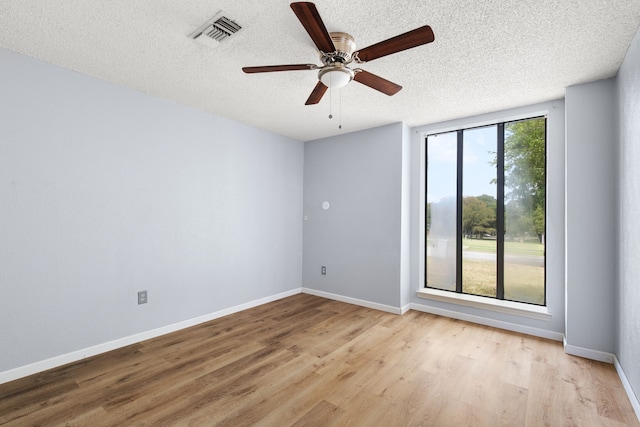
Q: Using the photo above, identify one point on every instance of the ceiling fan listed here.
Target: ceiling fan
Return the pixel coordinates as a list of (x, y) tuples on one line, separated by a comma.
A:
[(338, 50)]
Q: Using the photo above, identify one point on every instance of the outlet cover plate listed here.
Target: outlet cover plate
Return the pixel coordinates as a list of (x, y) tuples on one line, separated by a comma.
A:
[(142, 297)]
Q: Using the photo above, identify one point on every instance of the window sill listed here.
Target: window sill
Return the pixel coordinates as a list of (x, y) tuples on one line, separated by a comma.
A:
[(507, 307)]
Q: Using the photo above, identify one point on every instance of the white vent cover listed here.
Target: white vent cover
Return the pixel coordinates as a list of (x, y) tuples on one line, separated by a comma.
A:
[(216, 29)]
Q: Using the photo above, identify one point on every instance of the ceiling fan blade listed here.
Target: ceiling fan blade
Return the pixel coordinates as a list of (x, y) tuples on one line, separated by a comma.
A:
[(408, 40), (317, 94), (376, 82), (311, 21), (271, 68)]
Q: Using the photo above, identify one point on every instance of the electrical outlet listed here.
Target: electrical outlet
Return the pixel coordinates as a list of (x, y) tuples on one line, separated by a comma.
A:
[(142, 297), (323, 270)]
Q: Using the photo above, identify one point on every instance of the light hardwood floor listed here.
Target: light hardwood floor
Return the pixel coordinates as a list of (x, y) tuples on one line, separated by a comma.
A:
[(310, 361)]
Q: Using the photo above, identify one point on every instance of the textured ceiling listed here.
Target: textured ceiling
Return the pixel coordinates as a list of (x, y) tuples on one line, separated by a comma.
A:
[(488, 55)]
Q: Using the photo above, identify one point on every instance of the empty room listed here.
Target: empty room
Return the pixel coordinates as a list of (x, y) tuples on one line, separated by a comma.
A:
[(332, 213)]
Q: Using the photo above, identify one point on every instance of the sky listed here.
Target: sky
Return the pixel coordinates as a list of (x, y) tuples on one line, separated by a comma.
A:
[(479, 146)]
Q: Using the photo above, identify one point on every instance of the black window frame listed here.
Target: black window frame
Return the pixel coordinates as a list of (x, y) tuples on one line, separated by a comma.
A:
[(500, 208)]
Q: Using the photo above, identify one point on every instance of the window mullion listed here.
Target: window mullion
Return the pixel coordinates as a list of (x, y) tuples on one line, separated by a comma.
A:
[(500, 228), (460, 141)]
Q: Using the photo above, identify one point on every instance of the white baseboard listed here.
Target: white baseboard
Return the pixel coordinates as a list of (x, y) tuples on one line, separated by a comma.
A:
[(627, 387), (587, 353), (355, 301), (74, 356), (536, 332)]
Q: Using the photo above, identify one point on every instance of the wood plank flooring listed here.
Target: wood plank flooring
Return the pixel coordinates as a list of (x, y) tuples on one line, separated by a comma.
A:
[(309, 361)]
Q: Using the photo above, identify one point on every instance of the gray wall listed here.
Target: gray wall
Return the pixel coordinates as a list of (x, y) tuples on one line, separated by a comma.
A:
[(590, 215), (628, 315), (555, 215), (105, 191), (358, 238), (405, 231)]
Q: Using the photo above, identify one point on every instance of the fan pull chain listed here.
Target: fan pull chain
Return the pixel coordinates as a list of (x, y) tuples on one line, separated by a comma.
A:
[(331, 103), (340, 111), (330, 98)]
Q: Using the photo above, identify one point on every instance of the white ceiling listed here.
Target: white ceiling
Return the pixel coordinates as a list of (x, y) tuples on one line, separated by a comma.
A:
[(487, 55)]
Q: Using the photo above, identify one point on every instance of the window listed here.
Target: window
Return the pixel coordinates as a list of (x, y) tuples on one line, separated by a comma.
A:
[(485, 211)]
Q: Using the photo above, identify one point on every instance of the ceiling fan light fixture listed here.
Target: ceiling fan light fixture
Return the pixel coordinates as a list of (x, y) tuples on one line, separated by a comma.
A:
[(335, 76), (337, 50)]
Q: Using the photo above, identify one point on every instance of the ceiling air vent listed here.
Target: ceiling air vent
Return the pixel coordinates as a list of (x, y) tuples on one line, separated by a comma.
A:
[(216, 29)]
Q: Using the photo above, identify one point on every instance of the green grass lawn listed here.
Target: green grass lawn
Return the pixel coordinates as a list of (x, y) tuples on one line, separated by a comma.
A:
[(515, 248), (521, 282)]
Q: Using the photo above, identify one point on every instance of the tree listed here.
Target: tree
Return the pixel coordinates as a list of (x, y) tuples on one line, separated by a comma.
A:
[(518, 220), (524, 162), (478, 218), (538, 221), (490, 201), (524, 173)]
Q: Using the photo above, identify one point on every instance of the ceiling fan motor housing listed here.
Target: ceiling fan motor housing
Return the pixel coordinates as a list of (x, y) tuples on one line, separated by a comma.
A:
[(335, 72), (345, 46)]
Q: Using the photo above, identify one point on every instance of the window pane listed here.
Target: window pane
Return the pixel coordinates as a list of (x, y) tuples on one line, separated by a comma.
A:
[(441, 211), (477, 244), (479, 192), (524, 170)]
